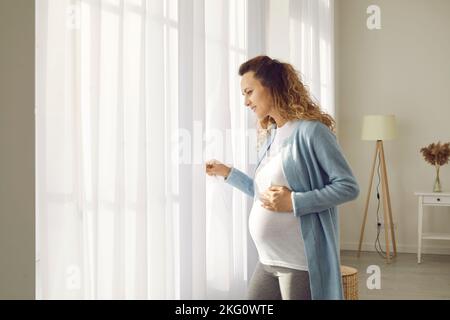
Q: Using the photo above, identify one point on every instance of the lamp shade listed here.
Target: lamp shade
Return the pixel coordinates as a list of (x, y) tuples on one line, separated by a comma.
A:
[(378, 127)]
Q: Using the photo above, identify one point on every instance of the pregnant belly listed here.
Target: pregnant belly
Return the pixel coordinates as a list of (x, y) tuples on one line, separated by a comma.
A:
[(266, 225)]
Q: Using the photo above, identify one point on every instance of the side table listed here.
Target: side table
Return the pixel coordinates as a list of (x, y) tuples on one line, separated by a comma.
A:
[(430, 199)]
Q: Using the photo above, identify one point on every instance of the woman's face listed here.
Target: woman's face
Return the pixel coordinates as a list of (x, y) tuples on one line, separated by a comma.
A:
[(257, 97)]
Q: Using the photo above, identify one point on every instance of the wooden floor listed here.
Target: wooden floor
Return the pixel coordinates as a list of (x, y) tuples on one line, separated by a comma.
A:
[(403, 278)]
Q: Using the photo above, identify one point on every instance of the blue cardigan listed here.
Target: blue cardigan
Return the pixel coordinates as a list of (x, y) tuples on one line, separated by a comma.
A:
[(320, 179)]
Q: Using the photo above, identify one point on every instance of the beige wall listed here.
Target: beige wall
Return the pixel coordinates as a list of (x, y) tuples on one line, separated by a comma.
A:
[(402, 69), (17, 149)]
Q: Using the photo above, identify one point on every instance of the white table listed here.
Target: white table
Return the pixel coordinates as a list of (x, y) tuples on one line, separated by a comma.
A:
[(430, 199)]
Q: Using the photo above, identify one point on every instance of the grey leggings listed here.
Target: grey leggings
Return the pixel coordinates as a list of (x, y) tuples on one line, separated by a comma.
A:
[(278, 283)]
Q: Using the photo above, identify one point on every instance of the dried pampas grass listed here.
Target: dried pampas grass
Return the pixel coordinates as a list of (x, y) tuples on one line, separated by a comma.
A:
[(436, 154)]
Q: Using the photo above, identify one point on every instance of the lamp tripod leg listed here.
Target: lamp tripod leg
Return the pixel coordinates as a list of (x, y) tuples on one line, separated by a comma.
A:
[(368, 199), (388, 202)]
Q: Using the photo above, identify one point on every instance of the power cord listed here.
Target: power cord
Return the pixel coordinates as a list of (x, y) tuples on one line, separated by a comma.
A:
[(378, 247)]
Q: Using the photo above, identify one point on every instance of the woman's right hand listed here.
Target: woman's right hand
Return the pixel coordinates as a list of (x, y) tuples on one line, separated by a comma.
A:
[(216, 168)]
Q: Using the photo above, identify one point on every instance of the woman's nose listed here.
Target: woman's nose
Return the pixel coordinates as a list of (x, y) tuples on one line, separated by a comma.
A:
[(247, 102)]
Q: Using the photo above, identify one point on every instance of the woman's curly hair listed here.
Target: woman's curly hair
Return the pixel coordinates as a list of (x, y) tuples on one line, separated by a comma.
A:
[(290, 96)]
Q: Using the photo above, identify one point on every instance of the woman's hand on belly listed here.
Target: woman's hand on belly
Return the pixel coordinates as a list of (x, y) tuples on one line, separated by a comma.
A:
[(277, 199)]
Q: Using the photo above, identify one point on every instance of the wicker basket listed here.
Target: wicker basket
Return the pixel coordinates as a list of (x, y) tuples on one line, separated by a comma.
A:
[(350, 282)]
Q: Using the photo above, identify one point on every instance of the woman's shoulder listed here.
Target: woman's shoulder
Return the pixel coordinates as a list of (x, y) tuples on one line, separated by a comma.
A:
[(308, 128), (308, 132)]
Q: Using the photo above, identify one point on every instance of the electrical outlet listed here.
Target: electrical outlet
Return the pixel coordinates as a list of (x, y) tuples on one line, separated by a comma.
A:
[(382, 225)]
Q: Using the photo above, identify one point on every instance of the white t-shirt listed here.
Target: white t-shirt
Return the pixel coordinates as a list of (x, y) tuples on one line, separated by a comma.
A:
[(277, 235)]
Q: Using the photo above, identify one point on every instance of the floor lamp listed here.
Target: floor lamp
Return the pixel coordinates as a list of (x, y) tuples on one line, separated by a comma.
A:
[(380, 128)]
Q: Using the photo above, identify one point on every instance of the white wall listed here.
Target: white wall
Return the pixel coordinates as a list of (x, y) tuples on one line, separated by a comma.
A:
[(402, 69)]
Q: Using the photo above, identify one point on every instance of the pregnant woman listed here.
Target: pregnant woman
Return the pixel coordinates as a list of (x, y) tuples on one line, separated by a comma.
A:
[(300, 179)]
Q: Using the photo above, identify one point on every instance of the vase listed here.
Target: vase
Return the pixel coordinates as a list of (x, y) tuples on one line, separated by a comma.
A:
[(437, 182)]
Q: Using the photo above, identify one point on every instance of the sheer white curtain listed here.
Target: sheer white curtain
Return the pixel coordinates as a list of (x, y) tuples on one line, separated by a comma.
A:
[(132, 97), (309, 26), (311, 30)]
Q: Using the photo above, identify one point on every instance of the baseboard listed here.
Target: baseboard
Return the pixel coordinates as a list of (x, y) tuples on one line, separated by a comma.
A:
[(426, 249)]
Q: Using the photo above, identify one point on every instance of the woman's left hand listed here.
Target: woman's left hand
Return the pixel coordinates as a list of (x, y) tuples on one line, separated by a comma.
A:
[(277, 198)]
